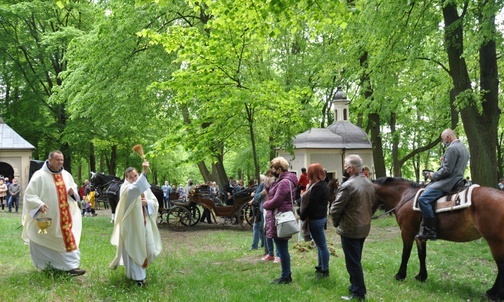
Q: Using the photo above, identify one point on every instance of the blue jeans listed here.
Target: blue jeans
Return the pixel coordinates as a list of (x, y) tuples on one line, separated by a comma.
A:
[(353, 254), (318, 235), (270, 247), (13, 202), (283, 250), (426, 201), (257, 234)]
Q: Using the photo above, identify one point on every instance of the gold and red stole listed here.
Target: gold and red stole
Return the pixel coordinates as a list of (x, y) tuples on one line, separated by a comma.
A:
[(65, 215), (144, 265)]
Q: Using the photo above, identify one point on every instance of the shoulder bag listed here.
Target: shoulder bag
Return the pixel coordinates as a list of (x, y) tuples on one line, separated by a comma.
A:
[(286, 223)]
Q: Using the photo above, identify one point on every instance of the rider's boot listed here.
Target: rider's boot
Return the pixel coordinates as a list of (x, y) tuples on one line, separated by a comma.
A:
[(429, 229)]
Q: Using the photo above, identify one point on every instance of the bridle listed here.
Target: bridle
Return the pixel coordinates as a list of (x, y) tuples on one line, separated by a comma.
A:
[(394, 208)]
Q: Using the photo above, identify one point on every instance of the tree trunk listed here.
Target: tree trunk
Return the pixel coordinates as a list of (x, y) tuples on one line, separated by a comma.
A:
[(222, 179), (376, 142), (112, 165), (480, 128), (92, 158), (79, 174), (101, 163), (204, 171), (250, 119), (373, 124), (396, 166), (67, 164)]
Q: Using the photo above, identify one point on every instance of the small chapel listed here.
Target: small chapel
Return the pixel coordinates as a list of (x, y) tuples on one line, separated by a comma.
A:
[(329, 146), (15, 155)]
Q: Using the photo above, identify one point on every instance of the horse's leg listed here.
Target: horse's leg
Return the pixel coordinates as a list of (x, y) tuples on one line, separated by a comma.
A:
[(113, 204), (496, 293), (406, 252), (422, 254)]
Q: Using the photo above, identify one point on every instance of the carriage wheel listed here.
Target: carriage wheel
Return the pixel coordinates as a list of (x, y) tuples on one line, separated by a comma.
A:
[(179, 218), (245, 216), (195, 214)]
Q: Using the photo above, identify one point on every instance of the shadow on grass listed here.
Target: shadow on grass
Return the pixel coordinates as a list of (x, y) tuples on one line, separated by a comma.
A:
[(466, 291), (205, 226)]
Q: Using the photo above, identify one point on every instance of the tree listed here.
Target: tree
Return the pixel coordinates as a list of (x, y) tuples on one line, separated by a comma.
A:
[(107, 83), (402, 58), (479, 108), (35, 37)]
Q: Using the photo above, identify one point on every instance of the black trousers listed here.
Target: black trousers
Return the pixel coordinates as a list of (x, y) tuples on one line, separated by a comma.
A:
[(353, 254)]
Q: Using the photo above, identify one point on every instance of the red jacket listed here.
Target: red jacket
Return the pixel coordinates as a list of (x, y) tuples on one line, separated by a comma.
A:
[(303, 180)]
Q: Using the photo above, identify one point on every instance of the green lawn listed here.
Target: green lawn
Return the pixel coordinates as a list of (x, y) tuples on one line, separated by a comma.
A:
[(213, 263)]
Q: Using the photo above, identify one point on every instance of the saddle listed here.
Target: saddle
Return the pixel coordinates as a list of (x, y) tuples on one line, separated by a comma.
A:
[(459, 198)]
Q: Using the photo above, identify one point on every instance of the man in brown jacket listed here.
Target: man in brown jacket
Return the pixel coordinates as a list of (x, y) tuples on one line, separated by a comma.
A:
[(351, 214)]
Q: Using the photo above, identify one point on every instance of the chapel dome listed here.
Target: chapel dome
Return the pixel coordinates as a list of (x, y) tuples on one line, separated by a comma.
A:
[(339, 135)]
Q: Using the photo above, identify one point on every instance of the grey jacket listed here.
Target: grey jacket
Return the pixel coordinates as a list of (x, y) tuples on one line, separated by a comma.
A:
[(453, 167), (352, 210), (14, 189)]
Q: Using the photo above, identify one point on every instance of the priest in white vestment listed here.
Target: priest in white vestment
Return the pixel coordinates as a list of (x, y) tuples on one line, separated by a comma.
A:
[(135, 228), (52, 192)]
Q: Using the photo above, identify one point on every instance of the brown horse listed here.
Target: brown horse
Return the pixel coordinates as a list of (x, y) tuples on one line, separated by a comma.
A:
[(484, 218)]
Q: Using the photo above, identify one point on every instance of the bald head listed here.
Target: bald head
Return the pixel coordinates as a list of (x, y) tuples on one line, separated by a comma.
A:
[(448, 136)]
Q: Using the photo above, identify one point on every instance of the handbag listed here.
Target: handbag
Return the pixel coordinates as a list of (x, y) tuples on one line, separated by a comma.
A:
[(286, 223)]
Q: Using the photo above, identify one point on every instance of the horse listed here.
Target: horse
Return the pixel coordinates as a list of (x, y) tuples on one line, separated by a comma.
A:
[(158, 192), (333, 190), (110, 185), (35, 165), (483, 218)]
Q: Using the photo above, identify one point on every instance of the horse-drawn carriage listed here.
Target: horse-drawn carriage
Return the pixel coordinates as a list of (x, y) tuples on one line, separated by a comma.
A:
[(187, 212)]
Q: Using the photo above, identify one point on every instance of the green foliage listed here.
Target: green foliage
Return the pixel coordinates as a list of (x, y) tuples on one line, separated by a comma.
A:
[(229, 81)]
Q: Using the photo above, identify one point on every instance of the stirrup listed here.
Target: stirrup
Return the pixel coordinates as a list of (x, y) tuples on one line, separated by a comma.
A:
[(425, 237)]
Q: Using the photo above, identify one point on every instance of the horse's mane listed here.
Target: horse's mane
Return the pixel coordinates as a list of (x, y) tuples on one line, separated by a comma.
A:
[(384, 181)]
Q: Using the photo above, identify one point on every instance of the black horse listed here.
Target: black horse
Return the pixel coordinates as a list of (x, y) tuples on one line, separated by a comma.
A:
[(34, 166), (107, 186), (110, 185)]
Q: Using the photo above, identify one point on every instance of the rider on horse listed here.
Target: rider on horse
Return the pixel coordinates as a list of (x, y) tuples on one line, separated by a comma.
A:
[(453, 165)]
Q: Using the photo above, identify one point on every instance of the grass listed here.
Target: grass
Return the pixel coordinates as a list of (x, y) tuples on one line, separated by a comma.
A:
[(213, 263)]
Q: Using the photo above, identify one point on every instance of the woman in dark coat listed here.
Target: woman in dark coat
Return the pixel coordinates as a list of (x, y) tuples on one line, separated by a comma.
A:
[(314, 214)]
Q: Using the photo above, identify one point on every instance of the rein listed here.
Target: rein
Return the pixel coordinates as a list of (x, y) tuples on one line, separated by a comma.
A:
[(108, 183), (394, 208)]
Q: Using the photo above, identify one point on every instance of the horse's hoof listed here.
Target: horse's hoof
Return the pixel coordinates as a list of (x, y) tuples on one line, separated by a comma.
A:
[(420, 278), (492, 298), (492, 295), (399, 277)]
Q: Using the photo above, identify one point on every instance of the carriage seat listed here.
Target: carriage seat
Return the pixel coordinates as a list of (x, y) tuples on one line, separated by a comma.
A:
[(174, 196), (204, 190)]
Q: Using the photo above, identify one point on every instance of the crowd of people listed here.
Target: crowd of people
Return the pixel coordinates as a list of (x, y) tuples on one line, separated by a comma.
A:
[(9, 194), (350, 212), (53, 193)]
